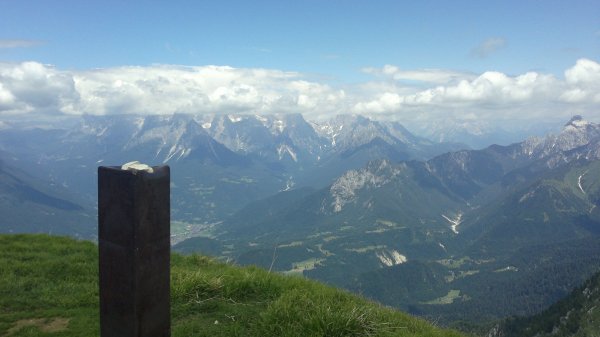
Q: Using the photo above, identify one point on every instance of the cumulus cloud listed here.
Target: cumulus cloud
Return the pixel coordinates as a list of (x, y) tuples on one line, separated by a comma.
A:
[(490, 88), (9, 44), (436, 76), (32, 87), (494, 95), (583, 81), (6, 97), (161, 89), (210, 89), (489, 46)]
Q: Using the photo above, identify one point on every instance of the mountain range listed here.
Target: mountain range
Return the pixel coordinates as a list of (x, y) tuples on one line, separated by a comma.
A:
[(463, 236), (518, 224), (479, 134), (220, 163)]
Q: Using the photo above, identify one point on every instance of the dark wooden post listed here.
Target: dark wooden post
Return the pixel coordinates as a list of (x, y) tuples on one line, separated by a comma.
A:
[(134, 248)]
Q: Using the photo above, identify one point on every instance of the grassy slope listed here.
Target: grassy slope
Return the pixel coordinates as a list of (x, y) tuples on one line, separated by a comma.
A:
[(48, 287)]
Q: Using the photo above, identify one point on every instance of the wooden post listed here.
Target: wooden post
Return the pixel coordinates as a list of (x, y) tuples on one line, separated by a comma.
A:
[(134, 251)]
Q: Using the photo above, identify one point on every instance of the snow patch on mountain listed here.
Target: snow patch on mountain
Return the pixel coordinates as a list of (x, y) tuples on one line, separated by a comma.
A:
[(139, 122), (328, 130), (579, 182), (279, 125), (262, 119), (454, 222), (289, 184), (177, 150), (527, 196), (234, 119), (284, 149)]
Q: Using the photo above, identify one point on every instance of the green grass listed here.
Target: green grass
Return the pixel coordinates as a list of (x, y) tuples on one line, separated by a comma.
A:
[(448, 299), (49, 287)]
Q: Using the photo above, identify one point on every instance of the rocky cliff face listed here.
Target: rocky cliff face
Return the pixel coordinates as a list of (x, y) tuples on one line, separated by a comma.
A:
[(346, 188)]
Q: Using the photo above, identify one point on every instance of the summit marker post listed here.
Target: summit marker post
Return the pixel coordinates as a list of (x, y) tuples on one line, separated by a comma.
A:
[(134, 250)]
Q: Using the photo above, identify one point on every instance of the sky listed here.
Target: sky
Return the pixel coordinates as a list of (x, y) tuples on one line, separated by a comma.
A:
[(496, 61)]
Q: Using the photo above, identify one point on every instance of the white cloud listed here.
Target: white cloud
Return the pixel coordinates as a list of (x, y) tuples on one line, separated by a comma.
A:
[(32, 87), (496, 96), (489, 46), (437, 76), (161, 89), (490, 88), (584, 72), (6, 97), (583, 82)]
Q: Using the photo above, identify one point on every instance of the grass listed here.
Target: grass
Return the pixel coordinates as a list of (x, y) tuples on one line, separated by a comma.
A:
[(291, 244), (386, 223), (299, 267), (448, 299), (454, 263), (366, 249), (48, 287)]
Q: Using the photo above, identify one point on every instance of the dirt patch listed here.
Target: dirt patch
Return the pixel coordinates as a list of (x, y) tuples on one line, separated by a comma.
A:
[(48, 325)]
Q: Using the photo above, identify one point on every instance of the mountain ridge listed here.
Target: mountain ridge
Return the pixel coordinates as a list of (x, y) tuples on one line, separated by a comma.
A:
[(480, 207), (220, 162)]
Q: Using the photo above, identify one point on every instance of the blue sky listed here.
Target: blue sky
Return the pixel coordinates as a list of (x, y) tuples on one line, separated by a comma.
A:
[(338, 44), (327, 37)]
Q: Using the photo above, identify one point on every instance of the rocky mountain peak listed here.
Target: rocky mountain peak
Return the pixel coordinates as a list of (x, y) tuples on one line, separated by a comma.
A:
[(577, 121), (576, 134)]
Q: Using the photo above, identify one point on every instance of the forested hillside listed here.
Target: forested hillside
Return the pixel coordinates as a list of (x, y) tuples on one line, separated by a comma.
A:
[(577, 315)]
